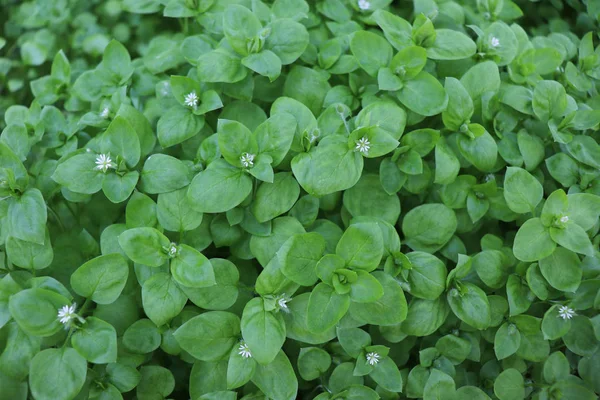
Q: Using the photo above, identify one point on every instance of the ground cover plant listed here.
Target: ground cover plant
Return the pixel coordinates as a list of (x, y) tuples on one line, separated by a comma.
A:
[(337, 199)]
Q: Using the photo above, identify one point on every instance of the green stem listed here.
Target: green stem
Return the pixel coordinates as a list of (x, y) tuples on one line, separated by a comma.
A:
[(73, 327), (71, 330), (56, 217), (85, 305)]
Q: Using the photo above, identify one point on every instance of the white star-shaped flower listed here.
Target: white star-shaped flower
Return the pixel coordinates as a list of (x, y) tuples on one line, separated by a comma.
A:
[(104, 113), (104, 162), (191, 100), (244, 351), (247, 160), (565, 312), (173, 250), (364, 5), (495, 42), (363, 145), (282, 302), (67, 313), (373, 358), (564, 219)]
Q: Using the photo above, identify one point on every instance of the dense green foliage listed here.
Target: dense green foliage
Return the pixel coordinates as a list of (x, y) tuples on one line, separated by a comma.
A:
[(333, 199)]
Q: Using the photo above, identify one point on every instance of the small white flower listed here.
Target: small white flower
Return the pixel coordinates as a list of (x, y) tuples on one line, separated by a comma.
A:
[(363, 145), (191, 100), (364, 5), (372, 358), (244, 351), (495, 42), (104, 113), (282, 302), (565, 312), (66, 314), (104, 162), (173, 250), (564, 219), (247, 160)]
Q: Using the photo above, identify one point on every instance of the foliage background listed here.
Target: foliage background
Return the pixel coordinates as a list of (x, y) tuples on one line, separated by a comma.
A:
[(442, 248)]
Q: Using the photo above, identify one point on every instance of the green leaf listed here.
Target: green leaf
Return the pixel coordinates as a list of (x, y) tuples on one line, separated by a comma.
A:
[(118, 188), (277, 379), (574, 238), (562, 270), (35, 310), (101, 279), (28, 217), (265, 63), (191, 268), (96, 341), (429, 227), (29, 255), (521, 190), (124, 377), (145, 246), (313, 362), (439, 385), (274, 136), (274, 199), (325, 308), (454, 348), (460, 105), (209, 336), (240, 369), (177, 125), (57, 374), (361, 246), (509, 385), (175, 213), (390, 309), (155, 381), (116, 59), (223, 294), (424, 95), (240, 25), (162, 173), (471, 305), (219, 188), (142, 337), (447, 165), (366, 289), (288, 40), (556, 367), (371, 51), (533, 241), (120, 139), (220, 66), (162, 299), (506, 341), (549, 100), (299, 255), (481, 78), (427, 275), (482, 151), (451, 45), (581, 338), (584, 209), (386, 374), (141, 126), (263, 331), (10, 161)]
